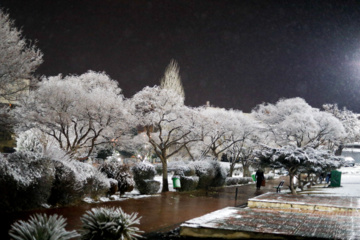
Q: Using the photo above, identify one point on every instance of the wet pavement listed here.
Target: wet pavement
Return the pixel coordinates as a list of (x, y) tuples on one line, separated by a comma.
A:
[(161, 212)]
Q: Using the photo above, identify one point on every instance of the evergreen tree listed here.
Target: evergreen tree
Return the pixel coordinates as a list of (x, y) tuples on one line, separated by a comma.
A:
[(172, 80)]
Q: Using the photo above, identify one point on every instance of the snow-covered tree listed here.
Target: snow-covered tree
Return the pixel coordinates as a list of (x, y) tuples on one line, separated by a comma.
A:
[(297, 160), (244, 140), (222, 129), (168, 124), (218, 125), (172, 80), (350, 121), (137, 144), (18, 60), (321, 161), (79, 112), (294, 122)]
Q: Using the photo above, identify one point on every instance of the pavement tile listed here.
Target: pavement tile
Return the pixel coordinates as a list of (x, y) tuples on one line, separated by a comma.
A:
[(304, 222)]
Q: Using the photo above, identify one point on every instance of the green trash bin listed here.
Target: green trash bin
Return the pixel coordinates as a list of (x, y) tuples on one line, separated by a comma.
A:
[(176, 182), (254, 177), (335, 179)]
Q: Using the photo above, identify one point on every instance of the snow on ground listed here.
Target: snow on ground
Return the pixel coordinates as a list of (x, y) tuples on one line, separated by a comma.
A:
[(350, 184), (208, 218)]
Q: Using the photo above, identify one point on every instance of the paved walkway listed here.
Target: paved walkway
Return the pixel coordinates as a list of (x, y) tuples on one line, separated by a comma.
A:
[(305, 202), (273, 215), (237, 223)]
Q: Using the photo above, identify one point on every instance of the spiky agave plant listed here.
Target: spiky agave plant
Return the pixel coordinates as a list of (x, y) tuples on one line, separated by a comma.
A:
[(110, 224), (41, 227)]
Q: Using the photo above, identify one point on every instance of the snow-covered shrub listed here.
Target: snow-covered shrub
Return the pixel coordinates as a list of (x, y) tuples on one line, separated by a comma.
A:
[(75, 180), (210, 173), (185, 170), (220, 174), (143, 170), (29, 141), (231, 181), (42, 227), (148, 186), (25, 181), (110, 168), (245, 180), (110, 224), (237, 180), (93, 182), (189, 183), (119, 172), (126, 181), (113, 186), (181, 168), (66, 189), (144, 174), (205, 171)]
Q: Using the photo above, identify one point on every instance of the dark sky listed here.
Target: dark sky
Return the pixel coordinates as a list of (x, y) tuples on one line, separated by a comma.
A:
[(236, 54)]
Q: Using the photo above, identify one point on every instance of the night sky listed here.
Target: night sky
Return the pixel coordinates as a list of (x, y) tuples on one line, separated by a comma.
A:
[(235, 54)]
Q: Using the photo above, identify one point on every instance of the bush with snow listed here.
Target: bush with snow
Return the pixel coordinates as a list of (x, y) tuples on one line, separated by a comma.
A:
[(30, 141), (220, 174), (210, 173), (75, 180), (110, 224), (189, 183), (143, 170), (94, 183), (237, 180), (66, 189), (231, 181), (25, 181), (41, 227), (119, 172), (30, 180), (113, 186), (125, 180), (205, 171), (144, 174), (148, 186), (184, 170)]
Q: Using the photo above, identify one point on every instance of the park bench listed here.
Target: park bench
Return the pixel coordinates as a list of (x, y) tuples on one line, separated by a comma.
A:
[(280, 186)]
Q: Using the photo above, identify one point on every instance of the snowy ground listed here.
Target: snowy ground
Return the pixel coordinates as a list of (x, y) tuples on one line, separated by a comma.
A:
[(350, 184)]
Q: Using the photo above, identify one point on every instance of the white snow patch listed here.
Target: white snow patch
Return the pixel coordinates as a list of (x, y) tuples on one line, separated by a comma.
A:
[(219, 214), (89, 200), (104, 199)]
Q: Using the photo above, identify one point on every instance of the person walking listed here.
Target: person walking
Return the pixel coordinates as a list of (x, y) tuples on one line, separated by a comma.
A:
[(259, 178)]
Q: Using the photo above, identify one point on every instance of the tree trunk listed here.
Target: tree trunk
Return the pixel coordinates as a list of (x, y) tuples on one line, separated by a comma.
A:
[(231, 171), (339, 150), (301, 183), (292, 189), (165, 186), (246, 171)]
